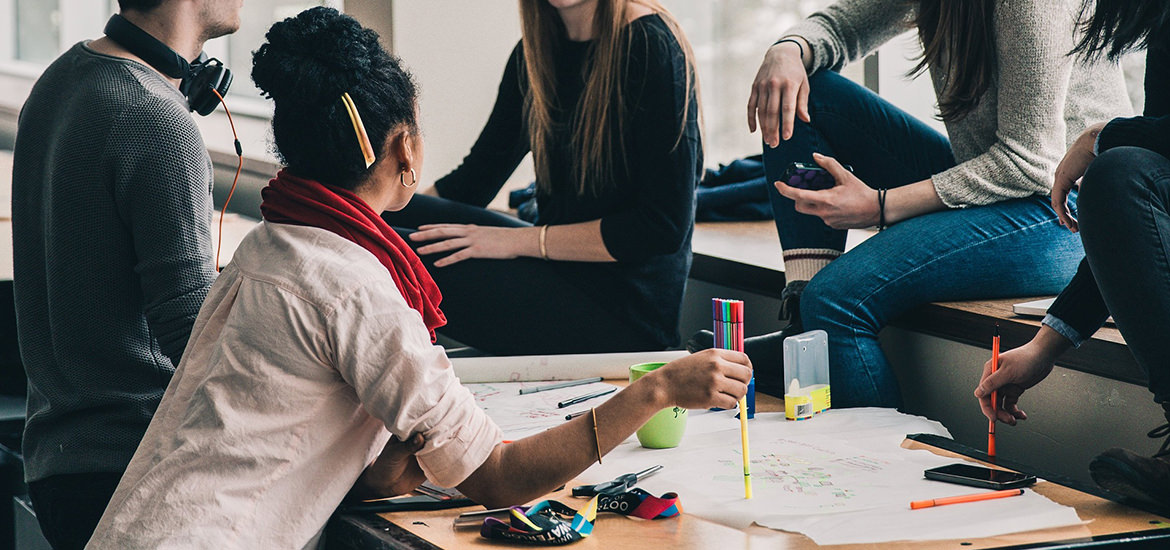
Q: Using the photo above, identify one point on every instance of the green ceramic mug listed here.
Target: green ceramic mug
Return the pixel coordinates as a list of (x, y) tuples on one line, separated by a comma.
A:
[(665, 429)]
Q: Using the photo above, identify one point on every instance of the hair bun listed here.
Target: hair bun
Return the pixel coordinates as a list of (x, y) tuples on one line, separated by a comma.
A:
[(314, 57)]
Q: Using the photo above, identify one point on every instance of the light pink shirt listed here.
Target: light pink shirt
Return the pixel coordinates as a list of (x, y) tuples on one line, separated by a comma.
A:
[(303, 356)]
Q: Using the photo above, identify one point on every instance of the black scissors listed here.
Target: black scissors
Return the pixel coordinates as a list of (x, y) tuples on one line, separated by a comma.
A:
[(620, 484)]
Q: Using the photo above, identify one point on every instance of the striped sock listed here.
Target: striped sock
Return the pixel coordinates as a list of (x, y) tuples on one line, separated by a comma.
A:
[(800, 264)]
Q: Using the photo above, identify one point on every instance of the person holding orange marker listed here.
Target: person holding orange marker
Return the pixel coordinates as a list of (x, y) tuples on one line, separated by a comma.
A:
[(1121, 168)]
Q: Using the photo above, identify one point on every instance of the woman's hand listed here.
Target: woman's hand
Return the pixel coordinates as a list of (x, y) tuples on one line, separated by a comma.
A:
[(779, 93), (710, 378), (394, 472), (1069, 171), (472, 241), (849, 204)]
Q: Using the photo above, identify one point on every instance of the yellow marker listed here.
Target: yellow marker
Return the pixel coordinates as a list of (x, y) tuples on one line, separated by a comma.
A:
[(747, 463)]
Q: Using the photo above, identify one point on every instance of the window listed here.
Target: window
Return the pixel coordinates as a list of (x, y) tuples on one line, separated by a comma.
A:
[(235, 50), (37, 31), (729, 38)]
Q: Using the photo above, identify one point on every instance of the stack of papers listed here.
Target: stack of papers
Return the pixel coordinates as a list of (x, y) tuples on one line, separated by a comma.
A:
[(839, 478)]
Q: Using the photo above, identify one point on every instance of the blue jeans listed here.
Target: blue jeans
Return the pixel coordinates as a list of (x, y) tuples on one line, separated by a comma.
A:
[(1006, 249)]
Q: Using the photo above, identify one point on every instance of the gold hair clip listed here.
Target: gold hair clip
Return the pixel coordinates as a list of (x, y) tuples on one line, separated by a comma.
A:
[(359, 129)]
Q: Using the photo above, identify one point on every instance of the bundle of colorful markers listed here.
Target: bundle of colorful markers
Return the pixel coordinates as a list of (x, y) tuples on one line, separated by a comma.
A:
[(728, 315)]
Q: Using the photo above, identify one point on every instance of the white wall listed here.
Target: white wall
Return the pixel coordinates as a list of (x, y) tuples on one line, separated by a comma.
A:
[(916, 97), (457, 50)]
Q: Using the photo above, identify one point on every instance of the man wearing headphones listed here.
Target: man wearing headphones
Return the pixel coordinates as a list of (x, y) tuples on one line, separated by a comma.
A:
[(112, 244)]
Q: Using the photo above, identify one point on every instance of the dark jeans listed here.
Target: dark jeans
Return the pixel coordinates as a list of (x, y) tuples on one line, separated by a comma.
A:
[(1006, 249), (1125, 226), (523, 306), (68, 506), (886, 147)]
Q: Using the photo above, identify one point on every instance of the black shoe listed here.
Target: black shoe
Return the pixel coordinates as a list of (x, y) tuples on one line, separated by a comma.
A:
[(1138, 477), (701, 340), (790, 304), (766, 350)]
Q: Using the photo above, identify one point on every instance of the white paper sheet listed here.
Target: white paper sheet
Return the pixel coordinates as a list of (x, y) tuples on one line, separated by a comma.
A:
[(838, 478), (471, 370), (523, 415)]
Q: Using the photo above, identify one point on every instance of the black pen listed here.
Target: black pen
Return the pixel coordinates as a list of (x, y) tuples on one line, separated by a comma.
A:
[(585, 397), (571, 416)]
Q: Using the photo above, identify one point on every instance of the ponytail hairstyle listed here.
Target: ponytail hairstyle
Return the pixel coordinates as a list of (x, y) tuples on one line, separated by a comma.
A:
[(599, 118), (305, 66), (1116, 27), (958, 37)]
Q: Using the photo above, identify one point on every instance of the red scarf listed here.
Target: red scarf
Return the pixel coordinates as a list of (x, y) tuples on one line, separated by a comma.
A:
[(292, 200)]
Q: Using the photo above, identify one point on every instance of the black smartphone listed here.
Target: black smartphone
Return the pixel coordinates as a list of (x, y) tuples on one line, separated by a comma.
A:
[(978, 476), (802, 175)]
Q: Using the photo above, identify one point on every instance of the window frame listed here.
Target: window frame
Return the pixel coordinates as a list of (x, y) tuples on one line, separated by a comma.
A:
[(252, 115)]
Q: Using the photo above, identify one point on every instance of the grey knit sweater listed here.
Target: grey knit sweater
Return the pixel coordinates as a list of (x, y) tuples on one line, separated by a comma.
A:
[(1040, 101), (111, 212)]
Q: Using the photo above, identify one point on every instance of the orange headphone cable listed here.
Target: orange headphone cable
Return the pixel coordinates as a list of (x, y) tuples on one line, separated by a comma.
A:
[(239, 167)]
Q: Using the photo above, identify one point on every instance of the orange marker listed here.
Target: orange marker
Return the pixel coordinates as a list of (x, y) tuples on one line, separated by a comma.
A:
[(994, 394), (918, 504)]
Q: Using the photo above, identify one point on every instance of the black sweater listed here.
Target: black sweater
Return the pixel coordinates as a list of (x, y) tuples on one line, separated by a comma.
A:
[(1080, 305), (111, 226), (647, 214)]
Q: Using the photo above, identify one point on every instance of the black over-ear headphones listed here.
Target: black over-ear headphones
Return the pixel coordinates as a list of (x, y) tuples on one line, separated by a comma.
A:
[(198, 79)]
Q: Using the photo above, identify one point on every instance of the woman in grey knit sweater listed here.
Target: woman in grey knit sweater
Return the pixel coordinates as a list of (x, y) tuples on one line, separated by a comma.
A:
[(963, 218)]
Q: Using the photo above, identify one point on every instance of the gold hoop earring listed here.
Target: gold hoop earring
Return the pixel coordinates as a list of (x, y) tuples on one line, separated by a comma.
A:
[(413, 178)]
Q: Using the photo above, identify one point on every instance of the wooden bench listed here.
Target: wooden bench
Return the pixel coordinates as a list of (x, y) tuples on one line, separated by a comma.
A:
[(746, 256)]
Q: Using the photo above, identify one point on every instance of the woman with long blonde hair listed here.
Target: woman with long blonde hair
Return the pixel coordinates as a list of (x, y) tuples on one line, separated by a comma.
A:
[(603, 94)]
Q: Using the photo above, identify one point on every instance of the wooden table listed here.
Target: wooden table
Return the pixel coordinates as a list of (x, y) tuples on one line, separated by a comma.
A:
[(425, 530)]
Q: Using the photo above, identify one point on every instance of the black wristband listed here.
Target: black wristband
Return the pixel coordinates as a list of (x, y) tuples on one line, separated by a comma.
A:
[(794, 41), (881, 226)]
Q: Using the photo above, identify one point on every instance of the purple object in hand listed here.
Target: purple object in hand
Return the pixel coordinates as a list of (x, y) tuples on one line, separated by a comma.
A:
[(809, 176)]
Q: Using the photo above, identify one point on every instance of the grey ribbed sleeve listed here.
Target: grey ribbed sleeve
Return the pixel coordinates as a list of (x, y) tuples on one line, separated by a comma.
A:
[(1009, 145), (112, 251)]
